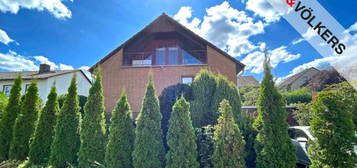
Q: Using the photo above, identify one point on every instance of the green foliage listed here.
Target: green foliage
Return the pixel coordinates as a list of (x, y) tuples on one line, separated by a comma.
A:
[(93, 129), (25, 124), (181, 138), (249, 133), (167, 99), (149, 150), (3, 103), (303, 114), (82, 101), (40, 147), (332, 128), (249, 95), (66, 141), (228, 141), (205, 146), (273, 145), (302, 95), (203, 88), (7, 121), (121, 137)]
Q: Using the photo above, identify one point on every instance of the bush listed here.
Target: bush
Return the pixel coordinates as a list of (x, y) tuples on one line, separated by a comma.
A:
[(333, 130), (249, 95), (149, 148), (40, 147), (167, 99), (25, 124), (93, 128), (12, 109), (66, 140), (303, 113), (302, 95), (121, 137), (205, 145), (181, 138)]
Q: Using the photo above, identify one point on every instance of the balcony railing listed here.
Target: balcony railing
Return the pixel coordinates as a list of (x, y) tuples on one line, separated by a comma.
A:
[(165, 57)]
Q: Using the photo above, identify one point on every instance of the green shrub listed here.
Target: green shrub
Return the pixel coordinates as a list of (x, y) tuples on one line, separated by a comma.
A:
[(66, 140), (3, 103), (25, 124), (302, 95), (205, 146), (40, 147), (303, 114), (149, 149), (249, 95), (121, 136), (93, 129), (273, 145), (7, 122), (228, 141), (181, 138)]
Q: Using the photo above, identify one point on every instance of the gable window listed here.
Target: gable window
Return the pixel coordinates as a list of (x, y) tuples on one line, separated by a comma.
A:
[(173, 56), (7, 89), (186, 79)]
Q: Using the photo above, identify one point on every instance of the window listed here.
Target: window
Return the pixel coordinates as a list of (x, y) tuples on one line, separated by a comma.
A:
[(7, 89), (187, 79), (160, 56), (173, 56), (189, 59)]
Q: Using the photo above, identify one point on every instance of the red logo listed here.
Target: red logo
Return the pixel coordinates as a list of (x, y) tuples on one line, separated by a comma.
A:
[(290, 2)]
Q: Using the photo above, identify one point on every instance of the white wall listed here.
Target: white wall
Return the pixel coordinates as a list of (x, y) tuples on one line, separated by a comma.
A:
[(62, 84)]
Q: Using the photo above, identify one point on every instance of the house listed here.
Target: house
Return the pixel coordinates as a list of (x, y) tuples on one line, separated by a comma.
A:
[(247, 81), (45, 79), (298, 80), (170, 51)]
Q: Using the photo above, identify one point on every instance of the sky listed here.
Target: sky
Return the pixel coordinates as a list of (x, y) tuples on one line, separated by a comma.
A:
[(72, 34)]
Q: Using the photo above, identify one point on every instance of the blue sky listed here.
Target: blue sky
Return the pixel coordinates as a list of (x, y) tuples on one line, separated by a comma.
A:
[(78, 33)]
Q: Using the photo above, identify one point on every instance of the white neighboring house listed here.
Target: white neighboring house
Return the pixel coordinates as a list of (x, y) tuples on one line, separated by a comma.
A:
[(45, 79), (298, 80)]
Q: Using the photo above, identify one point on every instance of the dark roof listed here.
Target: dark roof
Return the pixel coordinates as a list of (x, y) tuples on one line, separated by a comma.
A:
[(247, 81), (293, 78), (161, 18), (29, 75)]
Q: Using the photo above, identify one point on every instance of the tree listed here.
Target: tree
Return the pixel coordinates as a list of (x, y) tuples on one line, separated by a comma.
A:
[(333, 130), (66, 141), (203, 88), (181, 138), (25, 124), (121, 137), (149, 150), (40, 148), (93, 129), (3, 103), (228, 141), (7, 121), (167, 99), (249, 95), (205, 146), (273, 145)]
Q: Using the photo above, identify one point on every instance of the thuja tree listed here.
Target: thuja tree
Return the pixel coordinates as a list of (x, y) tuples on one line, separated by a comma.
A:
[(333, 129), (181, 138), (43, 136), (66, 141), (93, 132), (205, 146), (3, 103), (8, 118), (149, 150), (228, 141), (25, 124), (273, 145), (121, 136), (203, 88)]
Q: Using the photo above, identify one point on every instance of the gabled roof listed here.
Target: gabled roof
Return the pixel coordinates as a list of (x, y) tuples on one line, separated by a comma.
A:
[(293, 78), (29, 75), (247, 81), (157, 23)]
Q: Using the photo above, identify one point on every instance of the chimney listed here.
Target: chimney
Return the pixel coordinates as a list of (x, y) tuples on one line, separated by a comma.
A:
[(44, 68)]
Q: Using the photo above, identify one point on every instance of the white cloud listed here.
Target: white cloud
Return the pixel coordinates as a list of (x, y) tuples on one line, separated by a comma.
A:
[(224, 26), (4, 38), (263, 9), (65, 67), (308, 35), (12, 61), (44, 60), (84, 68), (254, 61), (56, 7)]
